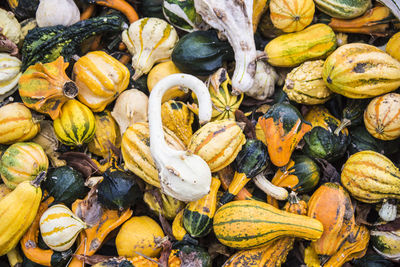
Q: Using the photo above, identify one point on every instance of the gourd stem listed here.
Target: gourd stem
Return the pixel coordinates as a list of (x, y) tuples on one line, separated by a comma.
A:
[(342, 125), (157, 142), (70, 90), (269, 188), (41, 176)]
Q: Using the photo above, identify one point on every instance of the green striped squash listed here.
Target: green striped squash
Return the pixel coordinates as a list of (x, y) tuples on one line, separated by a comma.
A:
[(22, 162), (248, 224), (76, 125), (182, 14), (344, 9)]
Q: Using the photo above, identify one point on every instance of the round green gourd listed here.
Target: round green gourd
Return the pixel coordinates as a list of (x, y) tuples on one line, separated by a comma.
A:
[(252, 159)]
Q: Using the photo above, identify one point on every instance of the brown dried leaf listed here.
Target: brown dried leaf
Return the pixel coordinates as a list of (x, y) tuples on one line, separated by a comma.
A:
[(90, 210), (389, 227), (81, 162), (96, 258), (166, 250), (249, 129), (362, 211), (216, 249), (329, 173), (6, 45)]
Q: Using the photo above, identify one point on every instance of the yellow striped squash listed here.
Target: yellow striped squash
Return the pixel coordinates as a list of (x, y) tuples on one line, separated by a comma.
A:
[(136, 153), (100, 78), (382, 117), (60, 227), (248, 224), (76, 125), (149, 40), (17, 123), (359, 70), (9, 72), (371, 177), (392, 47), (22, 162), (218, 143), (291, 15)]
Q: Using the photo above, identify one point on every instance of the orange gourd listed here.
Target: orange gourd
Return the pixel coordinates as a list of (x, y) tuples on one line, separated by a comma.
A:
[(291, 15)]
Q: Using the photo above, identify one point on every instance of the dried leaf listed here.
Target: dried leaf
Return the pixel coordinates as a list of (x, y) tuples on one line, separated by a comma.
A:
[(251, 102), (389, 227), (329, 173), (90, 210), (216, 249), (80, 162), (166, 250), (96, 258), (362, 211), (6, 45), (249, 129)]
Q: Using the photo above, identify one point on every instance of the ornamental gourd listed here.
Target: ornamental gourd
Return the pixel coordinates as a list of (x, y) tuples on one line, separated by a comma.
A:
[(169, 207), (386, 244), (57, 12), (9, 74), (17, 123), (76, 124), (22, 162), (345, 9), (100, 78), (382, 117), (352, 113), (149, 40), (10, 26), (392, 46), (60, 227), (291, 15), (305, 85), (359, 70), (182, 14), (289, 50), (46, 87), (264, 81)]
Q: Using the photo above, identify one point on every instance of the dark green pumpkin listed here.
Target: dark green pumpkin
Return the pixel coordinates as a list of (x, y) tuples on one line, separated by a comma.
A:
[(352, 114), (201, 53), (373, 260), (118, 190), (24, 9), (191, 255), (65, 184), (152, 8)]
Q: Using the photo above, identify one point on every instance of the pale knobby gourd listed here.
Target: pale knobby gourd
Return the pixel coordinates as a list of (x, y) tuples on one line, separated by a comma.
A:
[(57, 12), (183, 175), (10, 71), (230, 18), (10, 26), (149, 40), (264, 81)]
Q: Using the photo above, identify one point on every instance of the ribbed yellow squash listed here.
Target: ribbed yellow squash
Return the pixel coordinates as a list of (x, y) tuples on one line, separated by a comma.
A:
[(392, 47)]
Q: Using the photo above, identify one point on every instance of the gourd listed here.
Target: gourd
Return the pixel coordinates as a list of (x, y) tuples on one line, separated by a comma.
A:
[(291, 15), (60, 227), (181, 252), (23, 8), (331, 205), (178, 230), (386, 244), (10, 26), (345, 9), (152, 8), (178, 118), (391, 46), (48, 43), (107, 134), (183, 175), (264, 81), (283, 127), (201, 53), (139, 234), (136, 153), (65, 185), (352, 71), (371, 177), (305, 85), (182, 14), (59, 12), (321, 141), (218, 143), (259, 8), (17, 123), (130, 108), (9, 74), (118, 190), (100, 78), (21, 206), (170, 206), (22, 162), (361, 139), (149, 40), (76, 125), (373, 260), (127, 262), (392, 5), (198, 215), (248, 224), (45, 87), (160, 71), (229, 17), (382, 117), (352, 114), (289, 50)]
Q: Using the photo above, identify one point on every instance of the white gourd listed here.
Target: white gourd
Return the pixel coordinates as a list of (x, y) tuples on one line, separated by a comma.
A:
[(10, 26), (264, 81), (9, 74), (149, 40), (57, 12)]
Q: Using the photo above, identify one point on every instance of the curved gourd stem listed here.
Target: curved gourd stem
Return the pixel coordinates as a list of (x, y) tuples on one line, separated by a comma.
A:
[(342, 125), (157, 142), (269, 188)]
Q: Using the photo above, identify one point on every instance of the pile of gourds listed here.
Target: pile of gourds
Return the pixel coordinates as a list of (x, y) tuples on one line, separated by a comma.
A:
[(199, 133)]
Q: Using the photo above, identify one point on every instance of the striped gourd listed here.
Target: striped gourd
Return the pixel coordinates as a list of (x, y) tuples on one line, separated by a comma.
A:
[(9, 72), (249, 223), (198, 215), (218, 143), (289, 50), (305, 85), (22, 162), (382, 117), (17, 123), (291, 15), (60, 227), (135, 149), (100, 78), (371, 177), (359, 70), (345, 9), (76, 125), (149, 40), (392, 47), (182, 14)]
